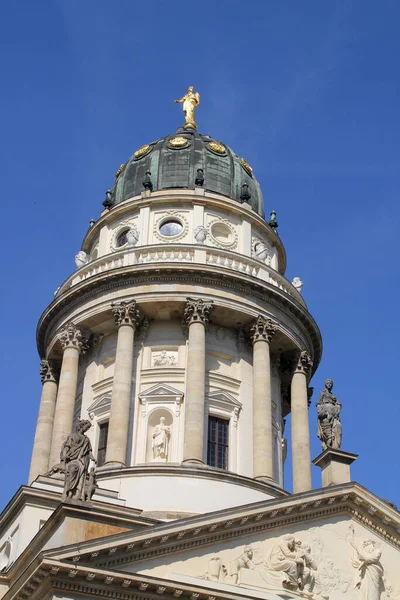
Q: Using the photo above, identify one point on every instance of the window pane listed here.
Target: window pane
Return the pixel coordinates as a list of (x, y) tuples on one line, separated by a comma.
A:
[(218, 437), (102, 447)]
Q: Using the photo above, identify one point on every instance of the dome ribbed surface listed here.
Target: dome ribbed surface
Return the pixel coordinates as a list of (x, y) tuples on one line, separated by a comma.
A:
[(173, 162)]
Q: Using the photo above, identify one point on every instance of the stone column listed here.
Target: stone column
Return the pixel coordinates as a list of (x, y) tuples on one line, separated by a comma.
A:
[(301, 456), (262, 333), (74, 342), (196, 317), (44, 426), (127, 318)]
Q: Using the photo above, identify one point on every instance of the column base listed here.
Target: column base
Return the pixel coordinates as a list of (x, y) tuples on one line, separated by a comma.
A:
[(265, 479), (335, 466), (112, 464), (193, 461)]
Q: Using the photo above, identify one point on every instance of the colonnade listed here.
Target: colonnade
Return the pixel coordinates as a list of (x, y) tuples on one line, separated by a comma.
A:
[(57, 403)]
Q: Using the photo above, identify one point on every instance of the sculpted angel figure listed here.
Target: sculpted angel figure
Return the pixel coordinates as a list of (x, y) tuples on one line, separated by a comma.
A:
[(365, 558), (190, 102)]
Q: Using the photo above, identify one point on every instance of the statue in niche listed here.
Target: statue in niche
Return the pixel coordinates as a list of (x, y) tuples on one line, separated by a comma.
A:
[(161, 435), (329, 425), (366, 555), (163, 359), (244, 561)]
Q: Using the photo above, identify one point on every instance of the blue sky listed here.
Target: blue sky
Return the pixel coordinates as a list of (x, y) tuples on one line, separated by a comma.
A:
[(308, 92)]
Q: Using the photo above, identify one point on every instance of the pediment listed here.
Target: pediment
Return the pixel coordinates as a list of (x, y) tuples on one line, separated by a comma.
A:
[(221, 396), (197, 555), (101, 404), (161, 389)]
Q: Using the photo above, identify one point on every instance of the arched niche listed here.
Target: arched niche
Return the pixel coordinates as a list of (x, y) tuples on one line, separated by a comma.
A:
[(159, 436)]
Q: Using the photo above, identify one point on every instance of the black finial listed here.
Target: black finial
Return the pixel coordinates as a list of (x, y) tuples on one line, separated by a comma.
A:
[(273, 222), (199, 178), (92, 222), (245, 195), (147, 184), (108, 202)]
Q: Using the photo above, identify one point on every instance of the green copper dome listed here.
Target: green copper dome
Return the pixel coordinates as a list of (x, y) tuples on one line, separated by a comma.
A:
[(185, 160)]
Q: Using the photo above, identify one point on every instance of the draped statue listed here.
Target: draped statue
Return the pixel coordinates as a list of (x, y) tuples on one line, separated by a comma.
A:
[(190, 102), (161, 435), (366, 555), (329, 425)]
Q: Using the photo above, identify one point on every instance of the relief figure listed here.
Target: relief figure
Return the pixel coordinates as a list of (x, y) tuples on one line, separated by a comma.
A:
[(365, 558)]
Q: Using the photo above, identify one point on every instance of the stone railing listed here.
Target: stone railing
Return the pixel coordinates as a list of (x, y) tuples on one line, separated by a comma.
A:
[(182, 253)]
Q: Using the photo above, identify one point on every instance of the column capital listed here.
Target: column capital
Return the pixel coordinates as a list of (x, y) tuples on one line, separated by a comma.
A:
[(126, 313), (71, 336), (304, 364), (49, 371), (197, 310), (263, 329)]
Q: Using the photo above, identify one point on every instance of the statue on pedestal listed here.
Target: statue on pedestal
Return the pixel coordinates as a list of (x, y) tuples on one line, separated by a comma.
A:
[(75, 456), (190, 102), (328, 411)]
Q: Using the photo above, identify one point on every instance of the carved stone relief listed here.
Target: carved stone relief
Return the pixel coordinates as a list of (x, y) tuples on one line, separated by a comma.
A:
[(299, 565), (164, 358), (366, 560)]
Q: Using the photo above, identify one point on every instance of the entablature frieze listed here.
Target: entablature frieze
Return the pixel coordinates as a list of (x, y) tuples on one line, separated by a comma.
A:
[(61, 308), (273, 514)]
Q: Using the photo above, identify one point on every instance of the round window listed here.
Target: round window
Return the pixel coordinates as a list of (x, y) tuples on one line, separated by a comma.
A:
[(171, 228), (222, 233), (121, 239)]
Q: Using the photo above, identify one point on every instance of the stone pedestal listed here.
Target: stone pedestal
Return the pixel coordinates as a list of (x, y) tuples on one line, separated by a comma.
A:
[(335, 466)]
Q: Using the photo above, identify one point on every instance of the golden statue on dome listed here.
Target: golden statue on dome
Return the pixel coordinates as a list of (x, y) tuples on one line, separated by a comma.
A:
[(190, 102)]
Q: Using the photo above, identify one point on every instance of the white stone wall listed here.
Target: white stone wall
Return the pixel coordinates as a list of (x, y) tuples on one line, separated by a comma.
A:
[(158, 390)]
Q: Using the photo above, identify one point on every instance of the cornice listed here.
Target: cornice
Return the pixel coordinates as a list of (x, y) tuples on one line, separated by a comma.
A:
[(191, 274), (48, 576), (228, 524)]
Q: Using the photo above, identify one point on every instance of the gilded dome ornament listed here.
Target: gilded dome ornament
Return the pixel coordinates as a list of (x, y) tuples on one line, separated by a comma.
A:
[(142, 151), (118, 173), (246, 166), (217, 147), (178, 142), (190, 102)]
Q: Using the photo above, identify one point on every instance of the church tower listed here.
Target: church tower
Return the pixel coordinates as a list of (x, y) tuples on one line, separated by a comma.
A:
[(170, 359)]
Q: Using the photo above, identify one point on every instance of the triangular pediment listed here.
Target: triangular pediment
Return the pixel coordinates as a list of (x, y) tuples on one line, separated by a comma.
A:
[(238, 552), (223, 397), (161, 389), (100, 404)]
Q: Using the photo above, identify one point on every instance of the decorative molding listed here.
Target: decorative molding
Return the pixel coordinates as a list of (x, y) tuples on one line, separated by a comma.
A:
[(126, 313), (238, 282), (71, 336), (100, 407), (49, 371), (263, 329), (197, 310), (126, 225), (225, 246), (304, 364)]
